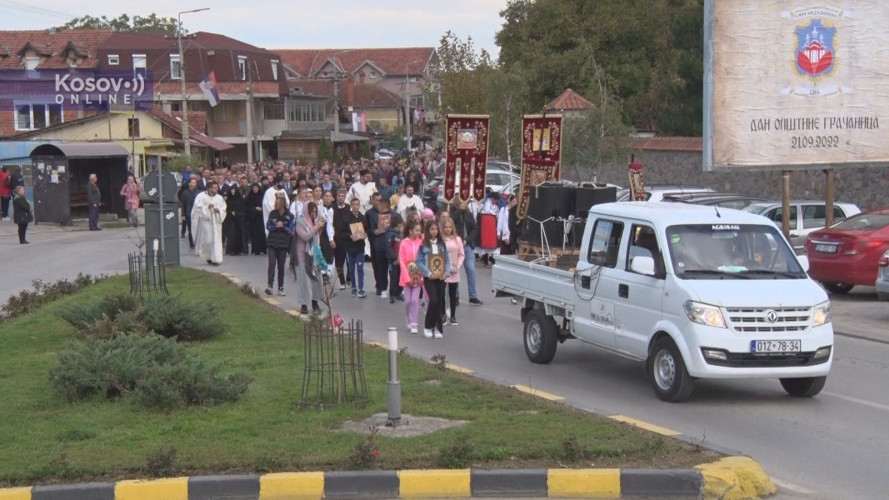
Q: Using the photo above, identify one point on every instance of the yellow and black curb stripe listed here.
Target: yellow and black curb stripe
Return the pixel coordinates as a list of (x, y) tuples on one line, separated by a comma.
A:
[(730, 478)]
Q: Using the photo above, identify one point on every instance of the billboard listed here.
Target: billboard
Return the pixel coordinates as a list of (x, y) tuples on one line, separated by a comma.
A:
[(795, 84)]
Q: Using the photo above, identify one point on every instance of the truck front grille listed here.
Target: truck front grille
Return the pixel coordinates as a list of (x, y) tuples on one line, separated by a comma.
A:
[(769, 319)]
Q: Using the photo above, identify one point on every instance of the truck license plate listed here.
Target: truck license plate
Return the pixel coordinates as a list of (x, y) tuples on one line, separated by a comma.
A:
[(826, 248), (776, 346)]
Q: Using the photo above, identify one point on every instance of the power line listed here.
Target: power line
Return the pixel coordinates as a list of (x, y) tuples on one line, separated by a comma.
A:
[(32, 9)]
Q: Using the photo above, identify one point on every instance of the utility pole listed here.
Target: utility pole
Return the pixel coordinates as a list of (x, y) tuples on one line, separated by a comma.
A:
[(185, 140), (407, 109), (249, 114)]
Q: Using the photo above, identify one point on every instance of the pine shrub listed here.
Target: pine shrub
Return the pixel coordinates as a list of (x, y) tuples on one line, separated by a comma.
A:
[(182, 319), (157, 372)]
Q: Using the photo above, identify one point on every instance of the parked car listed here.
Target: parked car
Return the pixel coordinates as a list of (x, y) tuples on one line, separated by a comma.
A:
[(657, 192), (848, 253), (503, 165), (882, 283), (383, 154), (805, 216), (715, 199)]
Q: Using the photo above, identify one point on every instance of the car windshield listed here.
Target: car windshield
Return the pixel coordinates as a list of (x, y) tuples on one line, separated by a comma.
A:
[(865, 222), (731, 251)]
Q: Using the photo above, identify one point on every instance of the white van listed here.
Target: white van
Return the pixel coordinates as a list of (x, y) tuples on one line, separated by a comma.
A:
[(693, 291)]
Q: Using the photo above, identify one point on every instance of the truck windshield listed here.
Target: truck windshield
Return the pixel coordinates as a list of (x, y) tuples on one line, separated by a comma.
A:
[(731, 251)]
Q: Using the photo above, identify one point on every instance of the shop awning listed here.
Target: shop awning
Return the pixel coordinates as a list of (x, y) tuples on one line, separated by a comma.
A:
[(81, 150)]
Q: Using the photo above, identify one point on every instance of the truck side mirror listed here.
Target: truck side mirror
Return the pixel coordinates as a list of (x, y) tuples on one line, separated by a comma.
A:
[(642, 265)]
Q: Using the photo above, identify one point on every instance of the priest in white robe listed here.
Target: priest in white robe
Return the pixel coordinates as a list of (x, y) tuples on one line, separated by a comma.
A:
[(206, 220), (268, 200)]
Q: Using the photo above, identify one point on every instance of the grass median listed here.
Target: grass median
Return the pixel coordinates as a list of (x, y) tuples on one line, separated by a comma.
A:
[(47, 440)]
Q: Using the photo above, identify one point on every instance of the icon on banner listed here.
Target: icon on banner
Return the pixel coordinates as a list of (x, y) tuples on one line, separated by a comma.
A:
[(467, 138), (815, 52)]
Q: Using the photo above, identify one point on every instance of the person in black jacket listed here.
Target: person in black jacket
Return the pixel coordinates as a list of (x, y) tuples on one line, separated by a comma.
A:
[(255, 224), (22, 213), (354, 234), (93, 201), (341, 239), (467, 228), (280, 226), (235, 225), (393, 243), (186, 200)]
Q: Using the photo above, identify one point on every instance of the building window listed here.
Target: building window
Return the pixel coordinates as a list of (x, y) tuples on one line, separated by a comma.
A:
[(139, 64), (37, 116), (31, 62), (133, 127), (307, 112), (72, 62), (113, 59), (242, 66), (273, 110), (373, 75), (175, 67), (219, 114), (275, 70)]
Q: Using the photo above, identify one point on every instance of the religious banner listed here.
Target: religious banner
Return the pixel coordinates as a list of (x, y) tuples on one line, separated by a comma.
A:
[(541, 154), (467, 156), (637, 181)]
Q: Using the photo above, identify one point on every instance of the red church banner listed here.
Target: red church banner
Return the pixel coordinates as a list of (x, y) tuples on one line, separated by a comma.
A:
[(467, 156), (541, 154)]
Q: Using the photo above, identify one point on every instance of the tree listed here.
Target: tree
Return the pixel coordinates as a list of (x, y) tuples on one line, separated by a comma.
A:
[(639, 45), (599, 136), (123, 22)]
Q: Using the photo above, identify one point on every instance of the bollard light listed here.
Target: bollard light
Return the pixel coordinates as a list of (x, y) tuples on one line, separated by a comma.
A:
[(394, 386)]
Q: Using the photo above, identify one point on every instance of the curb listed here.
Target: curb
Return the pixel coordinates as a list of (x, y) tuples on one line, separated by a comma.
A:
[(730, 478)]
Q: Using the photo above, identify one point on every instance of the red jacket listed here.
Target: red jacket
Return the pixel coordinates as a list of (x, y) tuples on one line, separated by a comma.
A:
[(5, 192)]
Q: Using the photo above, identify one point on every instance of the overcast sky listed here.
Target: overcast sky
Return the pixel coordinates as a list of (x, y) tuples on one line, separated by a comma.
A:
[(296, 24)]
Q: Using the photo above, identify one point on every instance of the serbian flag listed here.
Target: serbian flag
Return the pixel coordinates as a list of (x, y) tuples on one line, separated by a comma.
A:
[(208, 86)]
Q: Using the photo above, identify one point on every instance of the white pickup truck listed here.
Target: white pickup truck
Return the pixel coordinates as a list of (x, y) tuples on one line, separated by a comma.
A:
[(694, 291)]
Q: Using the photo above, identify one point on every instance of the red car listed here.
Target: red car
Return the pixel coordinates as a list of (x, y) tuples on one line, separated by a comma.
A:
[(848, 253)]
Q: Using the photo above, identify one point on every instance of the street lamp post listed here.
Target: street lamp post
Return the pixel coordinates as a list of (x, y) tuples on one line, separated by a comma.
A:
[(407, 103), (182, 80)]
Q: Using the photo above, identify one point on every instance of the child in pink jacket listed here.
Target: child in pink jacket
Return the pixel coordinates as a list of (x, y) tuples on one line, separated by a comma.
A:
[(456, 254), (411, 278)]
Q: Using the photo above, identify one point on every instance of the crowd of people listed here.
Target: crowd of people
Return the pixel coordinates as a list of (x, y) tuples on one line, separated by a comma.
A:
[(330, 218)]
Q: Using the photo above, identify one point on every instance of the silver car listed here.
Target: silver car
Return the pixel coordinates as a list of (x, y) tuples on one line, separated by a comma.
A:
[(882, 283), (805, 217)]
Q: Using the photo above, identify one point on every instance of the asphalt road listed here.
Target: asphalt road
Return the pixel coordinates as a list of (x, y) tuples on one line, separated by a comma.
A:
[(830, 446)]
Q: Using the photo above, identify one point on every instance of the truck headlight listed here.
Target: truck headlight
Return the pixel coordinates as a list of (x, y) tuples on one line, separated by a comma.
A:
[(704, 314), (822, 314)]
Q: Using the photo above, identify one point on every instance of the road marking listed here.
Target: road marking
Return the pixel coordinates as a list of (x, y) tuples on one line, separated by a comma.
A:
[(458, 369), (645, 425), (859, 401), (538, 393), (784, 486)]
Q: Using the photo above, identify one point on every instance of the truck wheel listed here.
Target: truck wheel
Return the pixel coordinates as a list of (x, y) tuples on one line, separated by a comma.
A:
[(838, 288), (803, 387), (541, 337), (666, 372)]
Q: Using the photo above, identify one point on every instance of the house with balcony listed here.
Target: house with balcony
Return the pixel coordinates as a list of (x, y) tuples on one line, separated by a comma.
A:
[(377, 78), (26, 106), (249, 80)]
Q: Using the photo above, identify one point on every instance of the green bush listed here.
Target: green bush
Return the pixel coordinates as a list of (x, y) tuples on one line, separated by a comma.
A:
[(157, 372), (113, 305), (81, 316), (182, 319), (29, 300), (126, 323)]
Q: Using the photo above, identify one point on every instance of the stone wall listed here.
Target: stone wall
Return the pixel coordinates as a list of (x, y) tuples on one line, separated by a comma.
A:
[(866, 187)]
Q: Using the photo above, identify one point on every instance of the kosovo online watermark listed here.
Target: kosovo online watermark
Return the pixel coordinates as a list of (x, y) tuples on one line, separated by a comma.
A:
[(87, 89)]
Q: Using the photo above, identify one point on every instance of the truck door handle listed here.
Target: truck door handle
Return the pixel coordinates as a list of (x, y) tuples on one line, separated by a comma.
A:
[(623, 291), (585, 282)]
